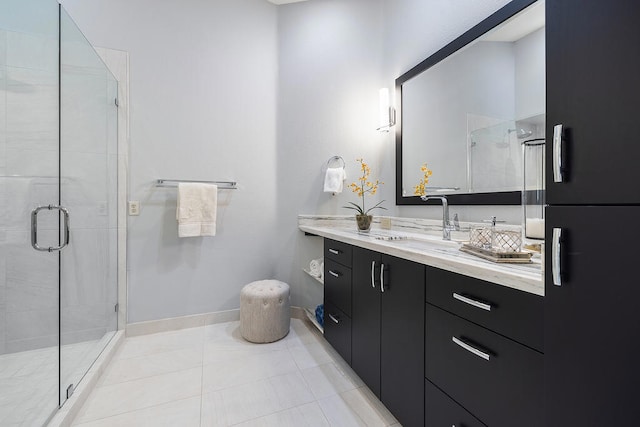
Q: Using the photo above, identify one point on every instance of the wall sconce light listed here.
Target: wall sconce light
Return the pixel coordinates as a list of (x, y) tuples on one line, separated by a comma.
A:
[(387, 112)]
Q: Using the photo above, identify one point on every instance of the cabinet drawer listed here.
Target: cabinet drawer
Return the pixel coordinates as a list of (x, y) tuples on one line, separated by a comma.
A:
[(441, 410), (337, 330), (337, 285), (338, 251), (505, 390), (510, 312)]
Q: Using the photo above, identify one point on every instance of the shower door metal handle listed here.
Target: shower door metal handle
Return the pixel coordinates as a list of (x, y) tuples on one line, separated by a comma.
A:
[(34, 228)]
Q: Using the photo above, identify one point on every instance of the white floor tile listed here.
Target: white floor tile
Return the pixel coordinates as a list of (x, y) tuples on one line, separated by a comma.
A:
[(114, 399), (301, 334), (29, 382), (129, 369), (309, 415), (238, 404), (310, 355), (364, 403), (357, 407), (327, 380), (162, 342), (183, 413), (210, 376), (338, 412), (242, 370)]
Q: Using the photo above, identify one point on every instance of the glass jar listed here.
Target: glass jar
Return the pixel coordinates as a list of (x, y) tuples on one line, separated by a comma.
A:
[(533, 194)]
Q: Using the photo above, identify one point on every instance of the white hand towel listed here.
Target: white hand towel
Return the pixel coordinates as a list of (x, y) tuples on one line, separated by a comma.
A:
[(314, 267), (196, 211), (322, 270), (333, 180)]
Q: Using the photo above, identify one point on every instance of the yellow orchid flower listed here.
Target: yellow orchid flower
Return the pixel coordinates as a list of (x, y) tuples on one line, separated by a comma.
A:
[(421, 188), (366, 186)]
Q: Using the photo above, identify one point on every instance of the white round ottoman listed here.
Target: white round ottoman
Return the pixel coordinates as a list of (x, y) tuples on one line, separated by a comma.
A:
[(264, 311)]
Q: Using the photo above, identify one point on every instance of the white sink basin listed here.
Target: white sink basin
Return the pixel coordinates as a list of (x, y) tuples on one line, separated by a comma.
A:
[(427, 242), (410, 240)]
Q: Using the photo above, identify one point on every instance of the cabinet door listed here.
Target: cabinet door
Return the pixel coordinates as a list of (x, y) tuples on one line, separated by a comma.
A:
[(365, 324), (402, 339), (337, 285), (593, 57), (496, 379), (337, 330), (441, 410), (592, 329)]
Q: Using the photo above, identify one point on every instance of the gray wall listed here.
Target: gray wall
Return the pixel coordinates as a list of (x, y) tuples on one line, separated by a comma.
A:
[(530, 75), (203, 106), (266, 95), (330, 72)]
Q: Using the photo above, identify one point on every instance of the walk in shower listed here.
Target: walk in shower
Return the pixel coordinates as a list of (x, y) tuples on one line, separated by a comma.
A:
[(58, 157)]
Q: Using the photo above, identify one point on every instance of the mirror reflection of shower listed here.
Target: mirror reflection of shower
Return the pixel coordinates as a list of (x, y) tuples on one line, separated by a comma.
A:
[(494, 153)]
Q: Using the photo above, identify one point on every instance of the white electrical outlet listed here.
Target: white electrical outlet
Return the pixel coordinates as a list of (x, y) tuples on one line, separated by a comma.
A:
[(134, 208)]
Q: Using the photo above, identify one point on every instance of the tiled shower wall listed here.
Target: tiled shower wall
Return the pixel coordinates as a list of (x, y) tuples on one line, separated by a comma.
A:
[(29, 292), (89, 143), (28, 149)]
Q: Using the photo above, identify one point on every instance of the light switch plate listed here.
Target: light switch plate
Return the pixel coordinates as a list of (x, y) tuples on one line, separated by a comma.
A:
[(134, 208)]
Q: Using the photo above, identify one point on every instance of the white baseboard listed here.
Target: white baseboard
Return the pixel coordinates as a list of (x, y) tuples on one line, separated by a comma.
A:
[(194, 321)]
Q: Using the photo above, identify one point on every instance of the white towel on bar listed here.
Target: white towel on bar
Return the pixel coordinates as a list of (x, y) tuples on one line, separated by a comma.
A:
[(196, 211), (334, 179)]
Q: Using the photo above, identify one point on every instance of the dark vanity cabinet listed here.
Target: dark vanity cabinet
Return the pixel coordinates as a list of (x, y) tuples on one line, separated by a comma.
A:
[(592, 326), (337, 296), (592, 59), (591, 278), (483, 362), (374, 318), (388, 331)]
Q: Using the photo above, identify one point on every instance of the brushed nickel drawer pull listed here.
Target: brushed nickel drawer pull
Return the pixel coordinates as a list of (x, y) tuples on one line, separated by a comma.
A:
[(472, 302), (555, 256), (334, 274), (557, 153), (332, 317), (373, 269), (473, 350), (334, 251)]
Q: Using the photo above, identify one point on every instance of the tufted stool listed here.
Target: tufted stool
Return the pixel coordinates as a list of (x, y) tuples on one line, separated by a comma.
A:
[(264, 311)]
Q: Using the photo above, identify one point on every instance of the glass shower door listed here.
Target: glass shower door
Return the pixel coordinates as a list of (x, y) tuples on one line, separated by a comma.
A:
[(29, 177), (88, 169), (58, 147)]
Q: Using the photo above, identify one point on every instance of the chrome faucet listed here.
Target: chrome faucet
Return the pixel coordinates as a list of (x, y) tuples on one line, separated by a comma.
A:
[(446, 227)]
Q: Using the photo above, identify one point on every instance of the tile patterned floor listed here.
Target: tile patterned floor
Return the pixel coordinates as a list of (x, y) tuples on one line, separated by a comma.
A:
[(210, 376), (29, 380)]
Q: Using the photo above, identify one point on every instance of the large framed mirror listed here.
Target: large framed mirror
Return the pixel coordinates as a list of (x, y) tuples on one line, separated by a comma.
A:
[(466, 111)]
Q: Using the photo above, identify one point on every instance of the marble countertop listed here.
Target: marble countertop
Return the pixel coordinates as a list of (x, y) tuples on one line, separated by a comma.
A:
[(428, 249)]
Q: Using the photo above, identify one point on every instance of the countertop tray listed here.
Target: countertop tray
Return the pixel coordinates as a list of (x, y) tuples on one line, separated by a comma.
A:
[(499, 257)]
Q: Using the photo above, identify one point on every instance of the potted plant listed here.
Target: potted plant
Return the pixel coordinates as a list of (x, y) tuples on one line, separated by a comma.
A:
[(361, 188)]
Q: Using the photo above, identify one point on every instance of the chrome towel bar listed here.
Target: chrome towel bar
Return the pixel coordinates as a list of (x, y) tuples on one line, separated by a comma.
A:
[(222, 185)]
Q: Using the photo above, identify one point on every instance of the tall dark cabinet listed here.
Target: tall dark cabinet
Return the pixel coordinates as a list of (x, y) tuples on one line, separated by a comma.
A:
[(388, 331), (592, 326), (593, 62)]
